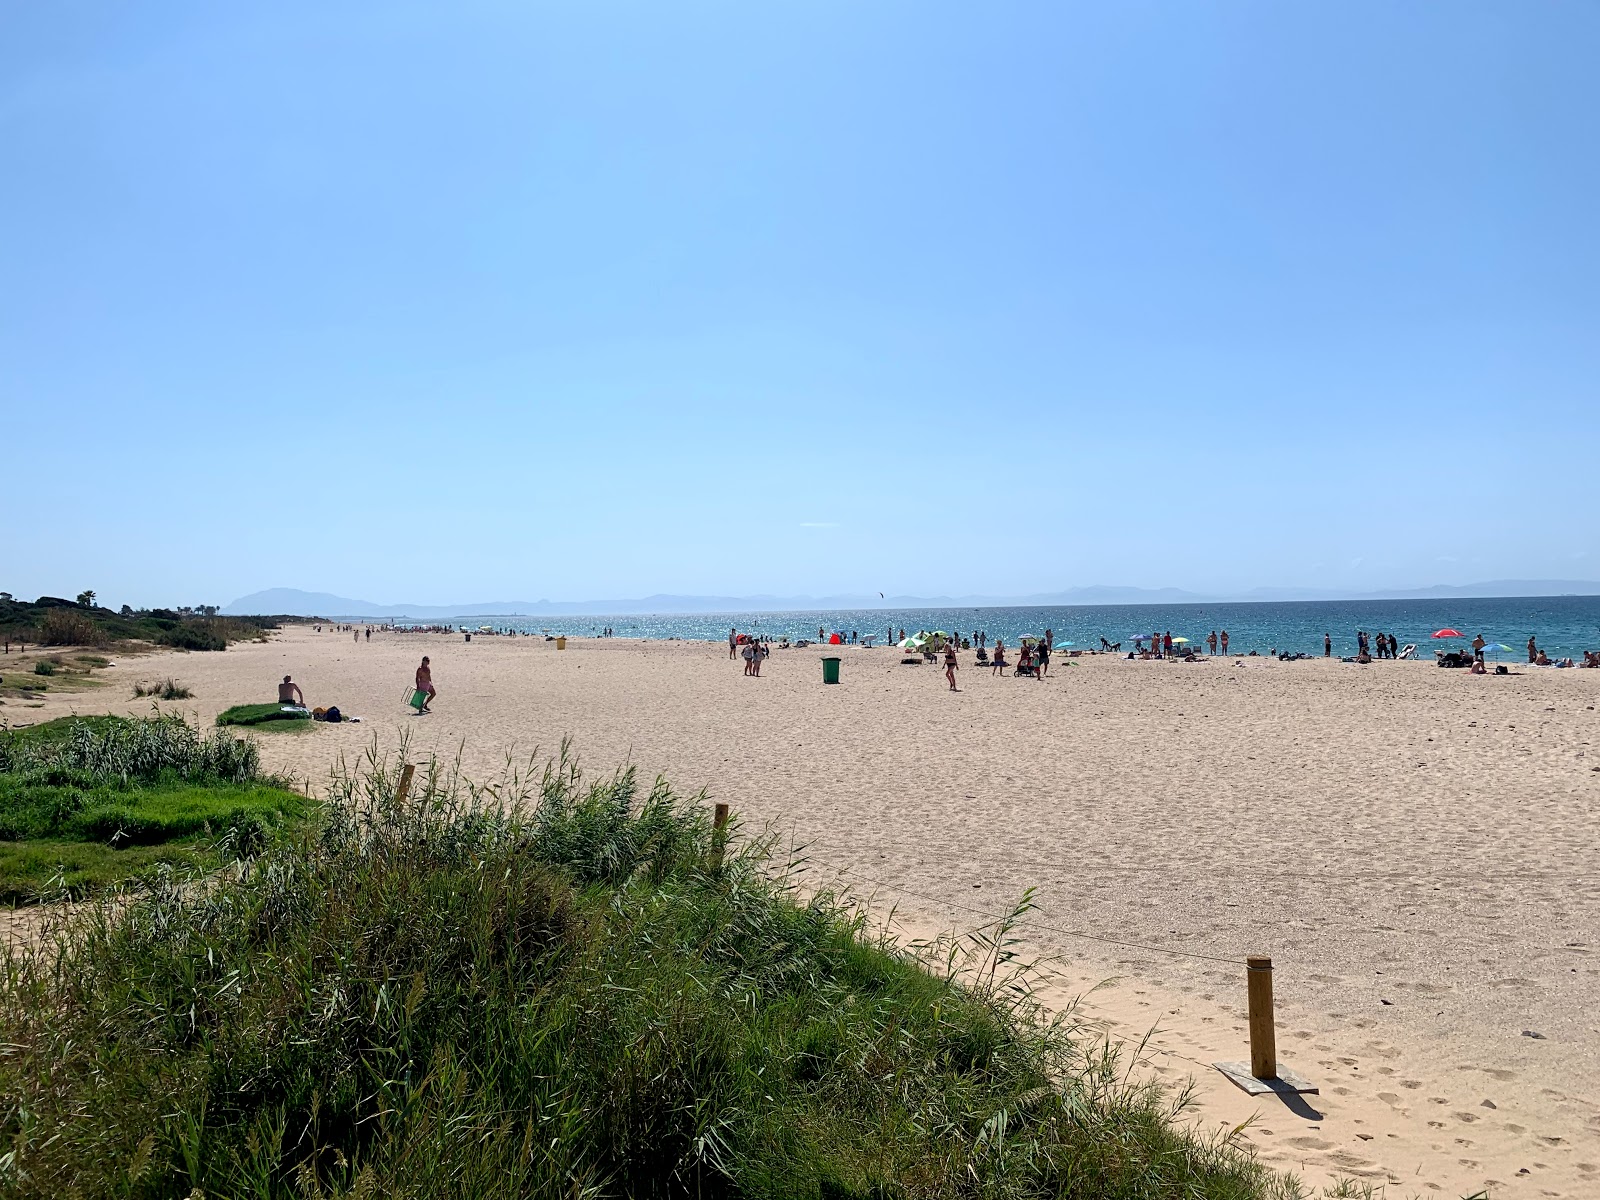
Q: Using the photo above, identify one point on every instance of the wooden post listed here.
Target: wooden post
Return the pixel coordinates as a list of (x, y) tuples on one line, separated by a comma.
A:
[(719, 835), (404, 790), (1263, 1040)]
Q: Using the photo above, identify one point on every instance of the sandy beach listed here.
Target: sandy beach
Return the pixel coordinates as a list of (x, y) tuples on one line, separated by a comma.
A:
[(1415, 848)]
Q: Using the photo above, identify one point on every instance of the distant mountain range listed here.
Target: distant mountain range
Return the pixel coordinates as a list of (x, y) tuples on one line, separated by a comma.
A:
[(294, 602)]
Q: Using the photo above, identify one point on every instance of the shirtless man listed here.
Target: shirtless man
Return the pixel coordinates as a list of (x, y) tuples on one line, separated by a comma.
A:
[(289, 693), (425, 685), (733, 643)]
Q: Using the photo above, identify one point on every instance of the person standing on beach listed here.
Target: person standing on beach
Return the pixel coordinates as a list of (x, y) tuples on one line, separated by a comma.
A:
[(1477, 647), (950, 665), (1211, 641), (1224, 640), (1327, 645), (1166, 644), (733, 642), (425, 685), (749, 654), (1533, 650), (1043, 658)]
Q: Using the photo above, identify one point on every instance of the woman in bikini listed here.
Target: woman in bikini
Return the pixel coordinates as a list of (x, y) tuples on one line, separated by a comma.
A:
[(950, 665)]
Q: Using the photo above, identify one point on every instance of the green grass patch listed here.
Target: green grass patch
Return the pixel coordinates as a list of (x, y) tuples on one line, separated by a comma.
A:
[(258, 714), (87, 803), (548, 987)]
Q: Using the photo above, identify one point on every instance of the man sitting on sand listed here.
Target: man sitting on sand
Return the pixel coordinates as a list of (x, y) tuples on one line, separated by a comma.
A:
[(289, 693), (425, 685)]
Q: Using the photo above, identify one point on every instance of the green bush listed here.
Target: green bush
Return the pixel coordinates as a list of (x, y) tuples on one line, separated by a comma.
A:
[(543, 988), (192, 637), (44, 667)]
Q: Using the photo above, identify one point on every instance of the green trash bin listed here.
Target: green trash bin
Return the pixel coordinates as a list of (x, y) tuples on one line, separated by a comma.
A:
[(830, 670)]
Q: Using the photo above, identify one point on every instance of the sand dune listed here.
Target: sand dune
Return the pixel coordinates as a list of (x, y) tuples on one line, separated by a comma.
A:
[(1415, 848)]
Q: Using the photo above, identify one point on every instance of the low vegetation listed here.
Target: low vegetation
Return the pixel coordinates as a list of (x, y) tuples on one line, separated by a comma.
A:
[(53, 621), (259, 714), (88, 803), (167, 689), (546, 987)]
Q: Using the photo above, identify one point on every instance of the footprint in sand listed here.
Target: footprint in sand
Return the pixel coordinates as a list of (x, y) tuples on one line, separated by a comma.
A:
[(1310, 1143)]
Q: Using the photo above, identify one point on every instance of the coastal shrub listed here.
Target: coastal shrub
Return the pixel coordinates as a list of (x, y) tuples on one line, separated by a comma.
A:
[(67, 627), (191, 637), (44, 667), (542, 986)]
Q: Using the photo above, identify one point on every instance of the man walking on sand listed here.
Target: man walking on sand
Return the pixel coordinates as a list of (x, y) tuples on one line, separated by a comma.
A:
[(425, 685)]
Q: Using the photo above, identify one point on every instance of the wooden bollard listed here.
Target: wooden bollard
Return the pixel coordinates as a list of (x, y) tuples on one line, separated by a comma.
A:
[(1262, 1074), (719, 835), (404, 789), (1263, 1039)]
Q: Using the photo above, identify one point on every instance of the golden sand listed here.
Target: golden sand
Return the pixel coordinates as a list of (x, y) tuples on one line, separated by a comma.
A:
[(1415, 848)]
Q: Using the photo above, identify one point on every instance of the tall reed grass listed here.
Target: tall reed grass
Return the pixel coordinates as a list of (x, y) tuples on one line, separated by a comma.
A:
[(118, 751), (542, 987), (68, 627)]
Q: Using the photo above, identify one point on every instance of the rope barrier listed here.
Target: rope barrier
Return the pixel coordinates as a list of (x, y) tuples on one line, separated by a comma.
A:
[(1077, 933), (1059, 875)]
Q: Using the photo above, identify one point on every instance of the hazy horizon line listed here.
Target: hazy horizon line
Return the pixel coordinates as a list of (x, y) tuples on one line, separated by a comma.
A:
[(298, 602)]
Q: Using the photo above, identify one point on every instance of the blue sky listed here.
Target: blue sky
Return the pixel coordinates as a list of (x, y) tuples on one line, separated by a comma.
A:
[(502, 300)]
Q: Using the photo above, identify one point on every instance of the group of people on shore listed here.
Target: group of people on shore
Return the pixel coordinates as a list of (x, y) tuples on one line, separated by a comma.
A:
[(1368, 646)]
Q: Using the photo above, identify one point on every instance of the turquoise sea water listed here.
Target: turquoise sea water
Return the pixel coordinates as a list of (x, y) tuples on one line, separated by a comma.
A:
[(1564, 625)]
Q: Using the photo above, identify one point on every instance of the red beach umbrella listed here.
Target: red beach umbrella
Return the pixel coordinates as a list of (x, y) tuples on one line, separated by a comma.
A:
[(1447, 633)]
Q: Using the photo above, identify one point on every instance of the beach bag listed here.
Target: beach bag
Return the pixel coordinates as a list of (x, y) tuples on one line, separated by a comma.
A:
[(332, 715)]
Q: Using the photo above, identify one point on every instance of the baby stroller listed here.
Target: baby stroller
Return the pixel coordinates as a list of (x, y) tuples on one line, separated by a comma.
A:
[(1027, 660)]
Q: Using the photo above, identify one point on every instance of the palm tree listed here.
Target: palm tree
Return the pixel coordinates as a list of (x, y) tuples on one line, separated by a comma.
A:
[(86, 599)]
